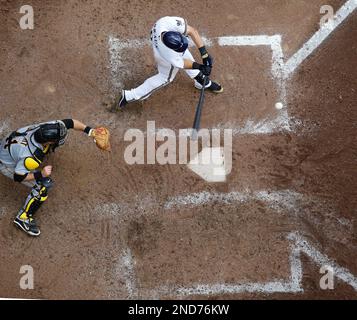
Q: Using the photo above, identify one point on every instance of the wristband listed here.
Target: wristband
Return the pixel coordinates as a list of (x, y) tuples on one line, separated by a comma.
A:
[(87, 130), (203, 51)]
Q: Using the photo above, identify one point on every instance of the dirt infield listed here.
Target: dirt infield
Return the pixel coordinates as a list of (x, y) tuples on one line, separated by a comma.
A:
[(115, 231)]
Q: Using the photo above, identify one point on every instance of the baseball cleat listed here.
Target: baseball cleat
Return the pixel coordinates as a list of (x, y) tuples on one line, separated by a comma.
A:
[(198, 85), (122, 101), (212, 86), (215, 87), (27, 224), (119, 103)]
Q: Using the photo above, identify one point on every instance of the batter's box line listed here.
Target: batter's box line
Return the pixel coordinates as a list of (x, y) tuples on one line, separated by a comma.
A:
[(318, 38), (298, 245), (280, 201), (116, 46), (281, 122)]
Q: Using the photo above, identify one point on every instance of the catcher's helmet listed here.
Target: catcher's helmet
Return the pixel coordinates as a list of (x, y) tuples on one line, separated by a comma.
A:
[(175, 41), (51, 132)]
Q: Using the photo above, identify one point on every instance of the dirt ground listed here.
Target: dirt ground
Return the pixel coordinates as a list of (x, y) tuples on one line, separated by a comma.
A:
[(107, 232)]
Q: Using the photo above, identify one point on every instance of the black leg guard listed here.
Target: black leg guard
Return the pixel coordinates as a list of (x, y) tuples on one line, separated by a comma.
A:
[(37, 197), (34, 201)]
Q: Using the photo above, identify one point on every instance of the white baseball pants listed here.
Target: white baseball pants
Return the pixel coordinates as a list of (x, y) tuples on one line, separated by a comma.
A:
[(166, 74)]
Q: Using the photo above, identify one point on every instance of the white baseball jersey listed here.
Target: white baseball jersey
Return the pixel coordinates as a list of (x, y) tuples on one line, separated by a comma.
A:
[(169, 62), (166, 24)]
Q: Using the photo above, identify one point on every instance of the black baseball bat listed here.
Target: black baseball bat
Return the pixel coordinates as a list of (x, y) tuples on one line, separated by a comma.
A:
[(197, 121)]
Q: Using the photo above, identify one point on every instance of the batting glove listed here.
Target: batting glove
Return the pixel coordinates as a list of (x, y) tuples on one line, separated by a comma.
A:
[(206, 70)]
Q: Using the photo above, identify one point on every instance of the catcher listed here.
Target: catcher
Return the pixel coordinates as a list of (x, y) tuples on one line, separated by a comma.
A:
[(169, 38), (23, 152)]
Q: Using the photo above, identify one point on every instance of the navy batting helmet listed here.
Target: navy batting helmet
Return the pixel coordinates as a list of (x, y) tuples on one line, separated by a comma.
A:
[(175, 41)]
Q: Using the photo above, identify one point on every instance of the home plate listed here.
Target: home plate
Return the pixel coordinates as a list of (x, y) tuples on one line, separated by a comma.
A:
[(209, 164)]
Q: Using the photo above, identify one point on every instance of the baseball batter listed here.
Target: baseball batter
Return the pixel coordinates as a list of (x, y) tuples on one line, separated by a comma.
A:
[(169, 38), (22, 153)]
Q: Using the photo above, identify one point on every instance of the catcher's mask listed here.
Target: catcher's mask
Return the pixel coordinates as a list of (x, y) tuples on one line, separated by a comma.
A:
[(54, 133)]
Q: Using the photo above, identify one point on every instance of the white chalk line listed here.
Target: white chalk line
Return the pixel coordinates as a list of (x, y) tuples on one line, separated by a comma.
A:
[(278, 200), (282, 201), (320, 259), (318, 38), (127, 271), (263, 127), (294, 285)]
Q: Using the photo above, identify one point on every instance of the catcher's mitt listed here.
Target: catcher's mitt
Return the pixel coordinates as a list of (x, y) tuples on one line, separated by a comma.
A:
[(101, 137)]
